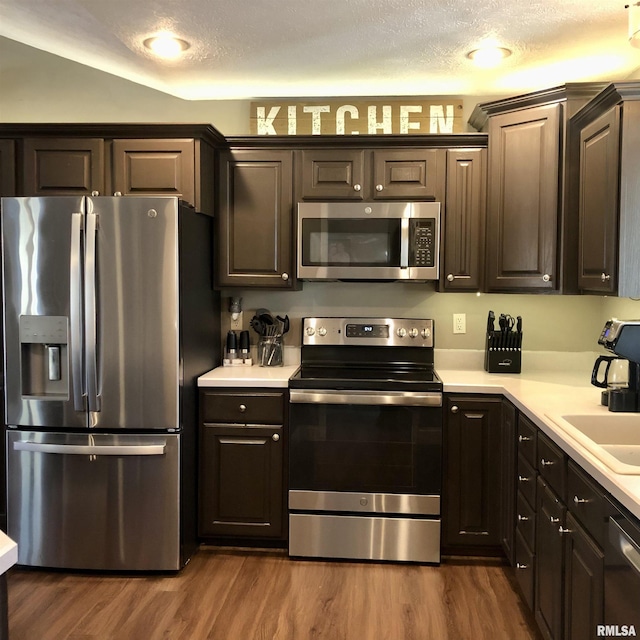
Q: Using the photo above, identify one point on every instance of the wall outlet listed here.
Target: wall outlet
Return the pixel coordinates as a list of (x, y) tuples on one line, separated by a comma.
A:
[(236, 325), (459, 323)]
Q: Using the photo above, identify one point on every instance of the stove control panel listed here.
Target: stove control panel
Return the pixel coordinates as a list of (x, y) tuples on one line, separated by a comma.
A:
[(368, 331)]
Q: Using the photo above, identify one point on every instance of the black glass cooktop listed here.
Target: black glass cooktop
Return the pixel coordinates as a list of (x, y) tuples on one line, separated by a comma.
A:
[(377, 378)]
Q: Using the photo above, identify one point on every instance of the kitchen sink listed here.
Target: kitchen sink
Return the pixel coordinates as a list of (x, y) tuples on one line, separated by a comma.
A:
[(613, 438)]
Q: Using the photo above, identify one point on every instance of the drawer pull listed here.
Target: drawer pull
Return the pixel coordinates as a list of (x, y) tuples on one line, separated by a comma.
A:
[(580, 500), (546, 463), (524, 438), (523, 518), (275, 437), (554, 520), (520, 565), (523, 479), (562, 531), (243, 408)]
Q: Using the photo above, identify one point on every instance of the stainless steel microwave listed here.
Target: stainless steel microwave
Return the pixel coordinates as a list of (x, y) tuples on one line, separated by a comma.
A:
[(368, 240)]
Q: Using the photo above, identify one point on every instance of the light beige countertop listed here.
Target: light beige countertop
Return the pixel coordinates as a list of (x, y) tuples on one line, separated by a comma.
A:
[(253, 376), (8, 552)]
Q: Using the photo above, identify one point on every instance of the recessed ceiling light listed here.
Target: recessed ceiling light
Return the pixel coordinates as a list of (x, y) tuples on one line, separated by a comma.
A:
[(166, 45), (488, 56)]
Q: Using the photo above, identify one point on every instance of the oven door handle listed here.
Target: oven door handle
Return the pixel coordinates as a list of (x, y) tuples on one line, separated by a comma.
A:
[(394, 398), (624, 545)]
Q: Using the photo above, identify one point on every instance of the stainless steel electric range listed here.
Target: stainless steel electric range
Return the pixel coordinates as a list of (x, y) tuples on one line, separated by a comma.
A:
[(365, 453)]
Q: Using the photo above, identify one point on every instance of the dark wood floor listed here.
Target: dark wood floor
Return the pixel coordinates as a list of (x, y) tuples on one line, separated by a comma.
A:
[(232, 594)]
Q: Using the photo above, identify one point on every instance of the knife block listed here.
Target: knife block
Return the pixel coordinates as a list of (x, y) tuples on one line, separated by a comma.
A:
[(497, 360)]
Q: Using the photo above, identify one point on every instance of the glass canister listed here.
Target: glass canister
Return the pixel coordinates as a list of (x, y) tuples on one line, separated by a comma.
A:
[(270, 351)]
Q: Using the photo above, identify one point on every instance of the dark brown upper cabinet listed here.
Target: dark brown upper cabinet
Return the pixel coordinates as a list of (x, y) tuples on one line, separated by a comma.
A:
[(63, 166), (255, 221), (605, 192), (380, 174), (154, 167), (531, 232), (463, 235), (85, 159), (7, 168)]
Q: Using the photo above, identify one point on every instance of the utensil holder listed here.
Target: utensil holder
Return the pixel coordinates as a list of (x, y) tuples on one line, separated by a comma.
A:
[(270, 351)]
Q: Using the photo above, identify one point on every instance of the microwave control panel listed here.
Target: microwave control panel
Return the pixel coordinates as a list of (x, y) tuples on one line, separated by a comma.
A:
[(422, 237)]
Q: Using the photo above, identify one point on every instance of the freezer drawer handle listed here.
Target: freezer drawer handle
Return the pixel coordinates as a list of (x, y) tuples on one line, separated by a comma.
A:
[(94, 450)]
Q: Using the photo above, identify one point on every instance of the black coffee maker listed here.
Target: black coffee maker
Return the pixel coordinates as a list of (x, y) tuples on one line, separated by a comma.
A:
[(622, 337)]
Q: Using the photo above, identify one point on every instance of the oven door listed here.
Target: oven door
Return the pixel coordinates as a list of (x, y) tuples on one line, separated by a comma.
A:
[(367, 442)]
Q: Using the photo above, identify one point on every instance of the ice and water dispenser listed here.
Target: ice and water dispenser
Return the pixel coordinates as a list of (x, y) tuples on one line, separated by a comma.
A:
[(44, 344)]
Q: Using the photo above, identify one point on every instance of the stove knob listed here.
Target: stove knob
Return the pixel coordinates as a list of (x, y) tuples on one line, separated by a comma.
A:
[(401, 332), (425, 333), (322, 331), (310, 331), (413, 332)]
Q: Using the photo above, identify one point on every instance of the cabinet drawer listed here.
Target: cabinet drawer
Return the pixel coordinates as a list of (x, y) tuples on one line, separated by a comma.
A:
[(527, 439), (552, 465), (527, 480), (524, 569), (243, 408), (587, 503), (526, 521)]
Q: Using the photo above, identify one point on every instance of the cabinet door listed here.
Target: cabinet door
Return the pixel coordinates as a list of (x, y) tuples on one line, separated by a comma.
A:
[(598, 204), (255, 222), (63, 166), (241, 481), (472, 476), (7, 168), (155, 168), (333, 174), (584, 583), (409, 174), (464, 219), (522, 206), (550, 514)]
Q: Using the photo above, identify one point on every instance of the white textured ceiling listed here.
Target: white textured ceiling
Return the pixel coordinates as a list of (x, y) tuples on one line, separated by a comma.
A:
[(283, 48)]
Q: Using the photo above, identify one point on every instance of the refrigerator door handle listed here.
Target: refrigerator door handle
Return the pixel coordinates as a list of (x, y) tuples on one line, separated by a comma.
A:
[(75, 320), (90, 308), (93, 450)]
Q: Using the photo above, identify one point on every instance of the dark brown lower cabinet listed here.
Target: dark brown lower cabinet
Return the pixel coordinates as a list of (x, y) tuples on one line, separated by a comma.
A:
[(241, 481), (471, 486), (549, 583), (584, 580)]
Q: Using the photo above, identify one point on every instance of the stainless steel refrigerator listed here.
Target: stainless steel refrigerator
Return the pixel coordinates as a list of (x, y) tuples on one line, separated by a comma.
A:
[(109, 317)]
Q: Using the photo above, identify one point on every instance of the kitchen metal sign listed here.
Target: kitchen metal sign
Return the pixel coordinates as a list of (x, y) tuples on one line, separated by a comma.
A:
[(346, 116)]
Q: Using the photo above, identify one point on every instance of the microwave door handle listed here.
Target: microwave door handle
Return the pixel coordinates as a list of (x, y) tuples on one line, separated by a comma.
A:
[(404, 243)]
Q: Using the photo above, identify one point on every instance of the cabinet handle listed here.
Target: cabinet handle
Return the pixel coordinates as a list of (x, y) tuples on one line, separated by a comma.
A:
[(275, 437), (604, 277), (285, 276), (524, 438), (379, 187), (95, 193), (455, 408), (580, 500), (522, 518), (523, 479), (520, 565), (554, 520), (117, 194), (451, 277), (243, 408), (546, 278), (562, 531), (546, 463), (357, 187)]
